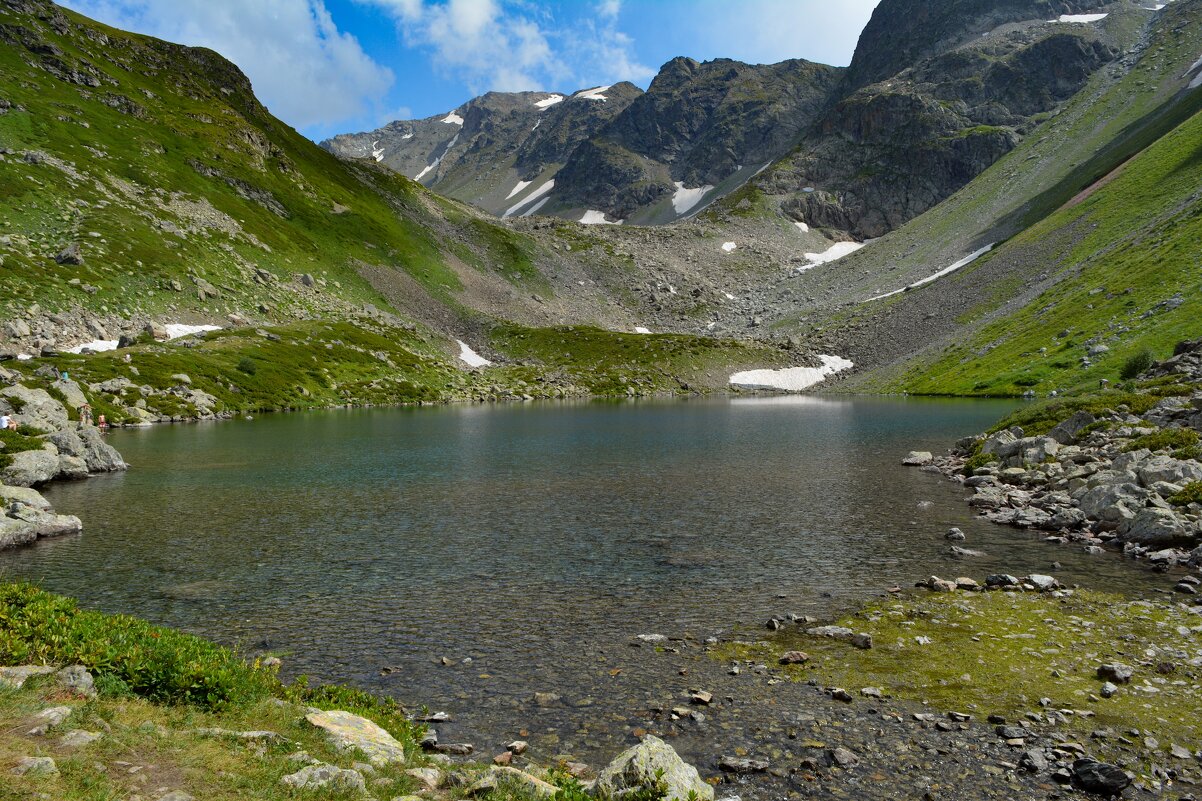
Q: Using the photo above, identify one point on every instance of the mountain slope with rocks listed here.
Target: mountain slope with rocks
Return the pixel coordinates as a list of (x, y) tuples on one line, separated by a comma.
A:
[(935, 94)]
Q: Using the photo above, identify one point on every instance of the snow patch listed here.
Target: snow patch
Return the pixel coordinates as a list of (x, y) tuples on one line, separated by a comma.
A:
[(1081, 17), (592, 217), (964, 262), (833, 253), (177, 330), (791, 379), (96, 346), (685, 199), (377, 152), (728, 247), (521, 185), (805, 229), (537, 123), (729, 296), (470, 357), (23, 357), (593, 94), (408, 135), (530, 198), (547, 102), (437, 161), (638, 329), (452, 119), (1197, 81), (534, 209)]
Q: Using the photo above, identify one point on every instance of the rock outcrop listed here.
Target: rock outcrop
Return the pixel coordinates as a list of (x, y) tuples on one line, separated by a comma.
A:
[(650, 764)]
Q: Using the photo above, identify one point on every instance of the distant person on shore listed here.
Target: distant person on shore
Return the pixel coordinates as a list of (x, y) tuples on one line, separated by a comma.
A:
[(102, 424), (85, 415), (12, 424), (4, 421)]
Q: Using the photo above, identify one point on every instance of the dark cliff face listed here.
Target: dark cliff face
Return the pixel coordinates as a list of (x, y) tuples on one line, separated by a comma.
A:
[(892, 149), (697, 124), (901, 33)]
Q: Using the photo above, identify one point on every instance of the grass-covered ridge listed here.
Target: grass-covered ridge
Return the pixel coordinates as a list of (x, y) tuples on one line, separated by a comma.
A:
[(158, 161), (1125, 272)]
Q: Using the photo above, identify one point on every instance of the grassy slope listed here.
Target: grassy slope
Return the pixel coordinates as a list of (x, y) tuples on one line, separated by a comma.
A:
[(170, 172), (1120, 254), (184, 107), (1142, 207)]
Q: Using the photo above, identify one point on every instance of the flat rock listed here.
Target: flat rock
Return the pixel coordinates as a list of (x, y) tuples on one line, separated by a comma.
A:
[(15, 677), (326, 777), (352, 732), (79, 738), (36, 766)]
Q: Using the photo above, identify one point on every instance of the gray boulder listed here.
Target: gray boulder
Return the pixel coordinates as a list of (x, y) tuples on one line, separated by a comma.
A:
[(1112, 503), (918, 458), (996, 442), (30, 468), (1167, 469), (99, 455), (648, 764), (38, 409), (326, 777), (72, 392), (1157, 527), (24, 495), (1067, 432), (16, 532), (71, 468), (45, 524), (68, 442)]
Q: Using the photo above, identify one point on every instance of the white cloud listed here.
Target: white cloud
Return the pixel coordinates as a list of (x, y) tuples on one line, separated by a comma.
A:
[(768, 31), (511, 45), (303, 67)]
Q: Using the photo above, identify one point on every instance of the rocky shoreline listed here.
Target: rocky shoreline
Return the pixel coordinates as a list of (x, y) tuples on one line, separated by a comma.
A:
[(1114, 478), (57, 448)]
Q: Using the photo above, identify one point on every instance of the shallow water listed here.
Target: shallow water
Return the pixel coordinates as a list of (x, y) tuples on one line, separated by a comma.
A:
[(534, 539)]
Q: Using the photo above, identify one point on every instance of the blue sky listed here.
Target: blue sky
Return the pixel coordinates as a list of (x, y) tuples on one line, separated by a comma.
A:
[(333, 66)]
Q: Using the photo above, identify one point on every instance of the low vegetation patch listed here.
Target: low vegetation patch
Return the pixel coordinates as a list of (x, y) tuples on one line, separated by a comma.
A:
[(1001, 653), (1190, 493), (1175, 439)]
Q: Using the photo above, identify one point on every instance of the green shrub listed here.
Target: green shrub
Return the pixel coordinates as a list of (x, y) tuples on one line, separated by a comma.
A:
[(125, 653), (979, 460), (1165, 438), (247, 365), (1138, 363), (1190, 493)]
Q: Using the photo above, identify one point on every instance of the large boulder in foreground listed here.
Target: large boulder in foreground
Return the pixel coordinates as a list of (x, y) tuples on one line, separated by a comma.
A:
[(353, 733), (647, 764), (1157, 527)]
